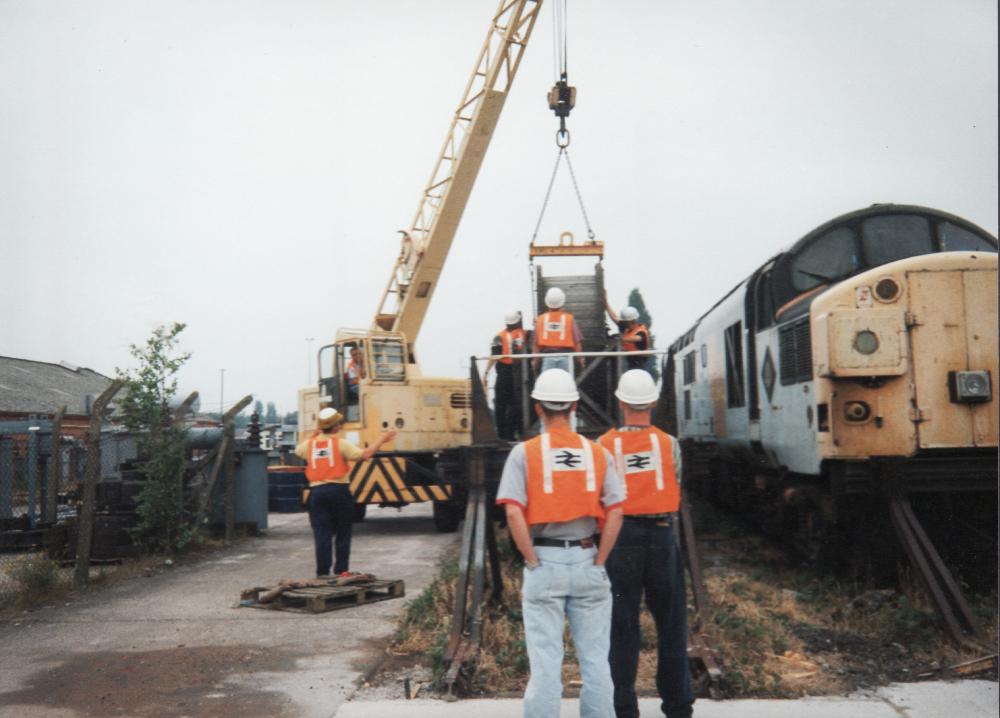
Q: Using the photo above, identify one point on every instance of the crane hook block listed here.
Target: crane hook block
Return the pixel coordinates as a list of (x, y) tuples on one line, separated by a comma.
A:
[(562, 98)]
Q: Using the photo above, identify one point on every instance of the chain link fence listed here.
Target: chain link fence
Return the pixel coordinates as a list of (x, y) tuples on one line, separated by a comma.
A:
[(40, 491)]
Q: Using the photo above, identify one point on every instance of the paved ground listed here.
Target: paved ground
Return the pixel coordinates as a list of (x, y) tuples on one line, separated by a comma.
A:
[(961, 699), (172, 645)]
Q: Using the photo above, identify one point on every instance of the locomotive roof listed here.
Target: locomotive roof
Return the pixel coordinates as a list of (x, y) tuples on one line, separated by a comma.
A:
[(850, 219)]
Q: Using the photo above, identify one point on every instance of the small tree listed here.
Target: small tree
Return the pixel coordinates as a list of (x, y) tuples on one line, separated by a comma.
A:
[(162, 525), (635, 300)]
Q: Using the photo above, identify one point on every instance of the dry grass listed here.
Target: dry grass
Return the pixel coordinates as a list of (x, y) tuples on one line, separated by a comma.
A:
[(782, 630), (779, 630)]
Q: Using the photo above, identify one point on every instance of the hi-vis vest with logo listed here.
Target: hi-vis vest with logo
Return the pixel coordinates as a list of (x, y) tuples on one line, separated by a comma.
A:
[(630, 339), (554, 330), (326, 463), (565, 477), (511, 342), (645, 461)]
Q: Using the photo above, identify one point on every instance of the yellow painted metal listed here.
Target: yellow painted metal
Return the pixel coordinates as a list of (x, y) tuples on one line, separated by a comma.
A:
[(430, 414), (567, 247), (425, 245), (946, 315), (981, 334)]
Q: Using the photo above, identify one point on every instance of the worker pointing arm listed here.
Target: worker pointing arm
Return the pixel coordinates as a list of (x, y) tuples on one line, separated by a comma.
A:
[(331, 505)]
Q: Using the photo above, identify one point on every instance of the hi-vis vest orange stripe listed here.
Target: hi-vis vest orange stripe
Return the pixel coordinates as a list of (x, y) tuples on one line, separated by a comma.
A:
[(565, 477), (645, 461), (326, 463), (511, 342), (630, 339), (554, 330)]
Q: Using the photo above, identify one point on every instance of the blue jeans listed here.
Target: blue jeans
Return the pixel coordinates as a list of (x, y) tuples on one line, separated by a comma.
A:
[(646, 559), (567, 584), (559, 362), (331, 513)]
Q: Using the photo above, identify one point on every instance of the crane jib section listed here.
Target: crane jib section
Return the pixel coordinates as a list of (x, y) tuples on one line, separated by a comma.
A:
[(425, 245)]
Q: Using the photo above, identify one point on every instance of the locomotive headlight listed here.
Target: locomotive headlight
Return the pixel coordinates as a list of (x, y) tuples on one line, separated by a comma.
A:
[(970, 386), (887, 289), (866, 342), (857, 411)]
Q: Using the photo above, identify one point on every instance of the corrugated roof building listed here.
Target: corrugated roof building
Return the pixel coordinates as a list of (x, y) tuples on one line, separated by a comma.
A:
[(33, 388)]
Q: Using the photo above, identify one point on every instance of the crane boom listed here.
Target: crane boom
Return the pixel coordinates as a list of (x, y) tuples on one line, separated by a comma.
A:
[(426, 244)]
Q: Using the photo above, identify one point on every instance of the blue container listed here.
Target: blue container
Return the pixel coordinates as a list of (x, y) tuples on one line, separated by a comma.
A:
[(284, 488)]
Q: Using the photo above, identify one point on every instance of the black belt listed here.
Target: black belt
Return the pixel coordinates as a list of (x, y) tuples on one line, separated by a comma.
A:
[(588, 542), (660, 519)]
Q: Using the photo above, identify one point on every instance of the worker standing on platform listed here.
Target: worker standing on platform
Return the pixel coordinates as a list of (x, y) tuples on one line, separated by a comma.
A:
[(355, 373), (634, 335), (507, 391), (555, 488), (556, 331), (646, 558), (331, 506)]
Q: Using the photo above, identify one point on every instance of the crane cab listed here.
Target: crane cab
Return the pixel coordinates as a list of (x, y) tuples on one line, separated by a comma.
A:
[(369, 377)]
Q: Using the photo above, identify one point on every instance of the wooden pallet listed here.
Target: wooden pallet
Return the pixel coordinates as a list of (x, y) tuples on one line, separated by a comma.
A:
[(319, 599)]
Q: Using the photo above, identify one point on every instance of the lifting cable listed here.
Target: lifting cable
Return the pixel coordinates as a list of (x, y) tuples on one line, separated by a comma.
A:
[(563, 150), (562, 99)]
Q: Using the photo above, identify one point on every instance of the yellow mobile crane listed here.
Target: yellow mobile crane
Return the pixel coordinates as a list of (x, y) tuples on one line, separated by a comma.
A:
[(372, 375)]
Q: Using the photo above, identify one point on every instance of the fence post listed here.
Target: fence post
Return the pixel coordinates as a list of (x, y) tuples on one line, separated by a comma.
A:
[(85, 524), (55, 468), (229, 430), (6, 478), (31, 475)]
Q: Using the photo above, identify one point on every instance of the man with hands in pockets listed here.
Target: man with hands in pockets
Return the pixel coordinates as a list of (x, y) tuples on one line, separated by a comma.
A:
[(556, 488)]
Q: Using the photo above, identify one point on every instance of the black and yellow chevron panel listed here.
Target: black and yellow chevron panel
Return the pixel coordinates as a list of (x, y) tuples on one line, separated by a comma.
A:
[(382, 479)]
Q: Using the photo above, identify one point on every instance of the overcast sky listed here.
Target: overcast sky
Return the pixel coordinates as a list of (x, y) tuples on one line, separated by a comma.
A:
[(242, 166)]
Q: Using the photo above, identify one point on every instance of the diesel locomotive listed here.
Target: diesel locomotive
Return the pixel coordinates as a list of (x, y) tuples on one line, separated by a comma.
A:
[(858, 365)]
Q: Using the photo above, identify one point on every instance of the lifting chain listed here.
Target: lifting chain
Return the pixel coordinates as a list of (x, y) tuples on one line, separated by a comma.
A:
[(563, 150)]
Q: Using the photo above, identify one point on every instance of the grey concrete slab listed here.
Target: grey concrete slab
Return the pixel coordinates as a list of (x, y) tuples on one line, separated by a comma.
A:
[(939, 699), (173, 644)]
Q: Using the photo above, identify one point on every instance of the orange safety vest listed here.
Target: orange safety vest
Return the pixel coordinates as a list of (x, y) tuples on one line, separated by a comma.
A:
[(554, 330), (630, 339), (645, 461), (511, 342), (565, 477), (326, 463)]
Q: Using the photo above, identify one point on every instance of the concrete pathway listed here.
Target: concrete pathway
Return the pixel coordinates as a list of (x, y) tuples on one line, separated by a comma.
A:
[(938, 699), (173, 645)]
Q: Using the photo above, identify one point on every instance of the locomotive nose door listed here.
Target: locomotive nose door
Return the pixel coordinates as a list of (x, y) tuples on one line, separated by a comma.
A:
[(952, 318)]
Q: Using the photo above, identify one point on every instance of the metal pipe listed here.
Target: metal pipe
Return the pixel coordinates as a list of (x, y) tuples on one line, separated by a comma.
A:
[(645, 352)]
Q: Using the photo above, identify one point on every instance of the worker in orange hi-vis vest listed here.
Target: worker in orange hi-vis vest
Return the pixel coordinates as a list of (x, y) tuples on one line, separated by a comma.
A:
[(556, 331), (555, 489), (331, 506), (634, 335), (646, 558), (507, 390)]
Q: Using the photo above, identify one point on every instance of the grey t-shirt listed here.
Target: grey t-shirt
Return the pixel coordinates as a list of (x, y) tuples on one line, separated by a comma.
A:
[(513, 487)]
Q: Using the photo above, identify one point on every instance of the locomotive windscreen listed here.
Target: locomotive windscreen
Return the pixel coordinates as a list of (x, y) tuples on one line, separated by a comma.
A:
[(862, 240)]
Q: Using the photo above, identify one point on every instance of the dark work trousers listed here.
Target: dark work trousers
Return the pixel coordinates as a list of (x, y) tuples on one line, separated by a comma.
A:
[(331, 511), (646, 559), (506, 401)]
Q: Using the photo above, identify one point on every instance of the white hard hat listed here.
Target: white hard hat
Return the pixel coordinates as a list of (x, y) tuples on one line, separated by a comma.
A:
[(555, 298), (636, 388), (556, 389), (629, 314), (512, 317), (329, 417)]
